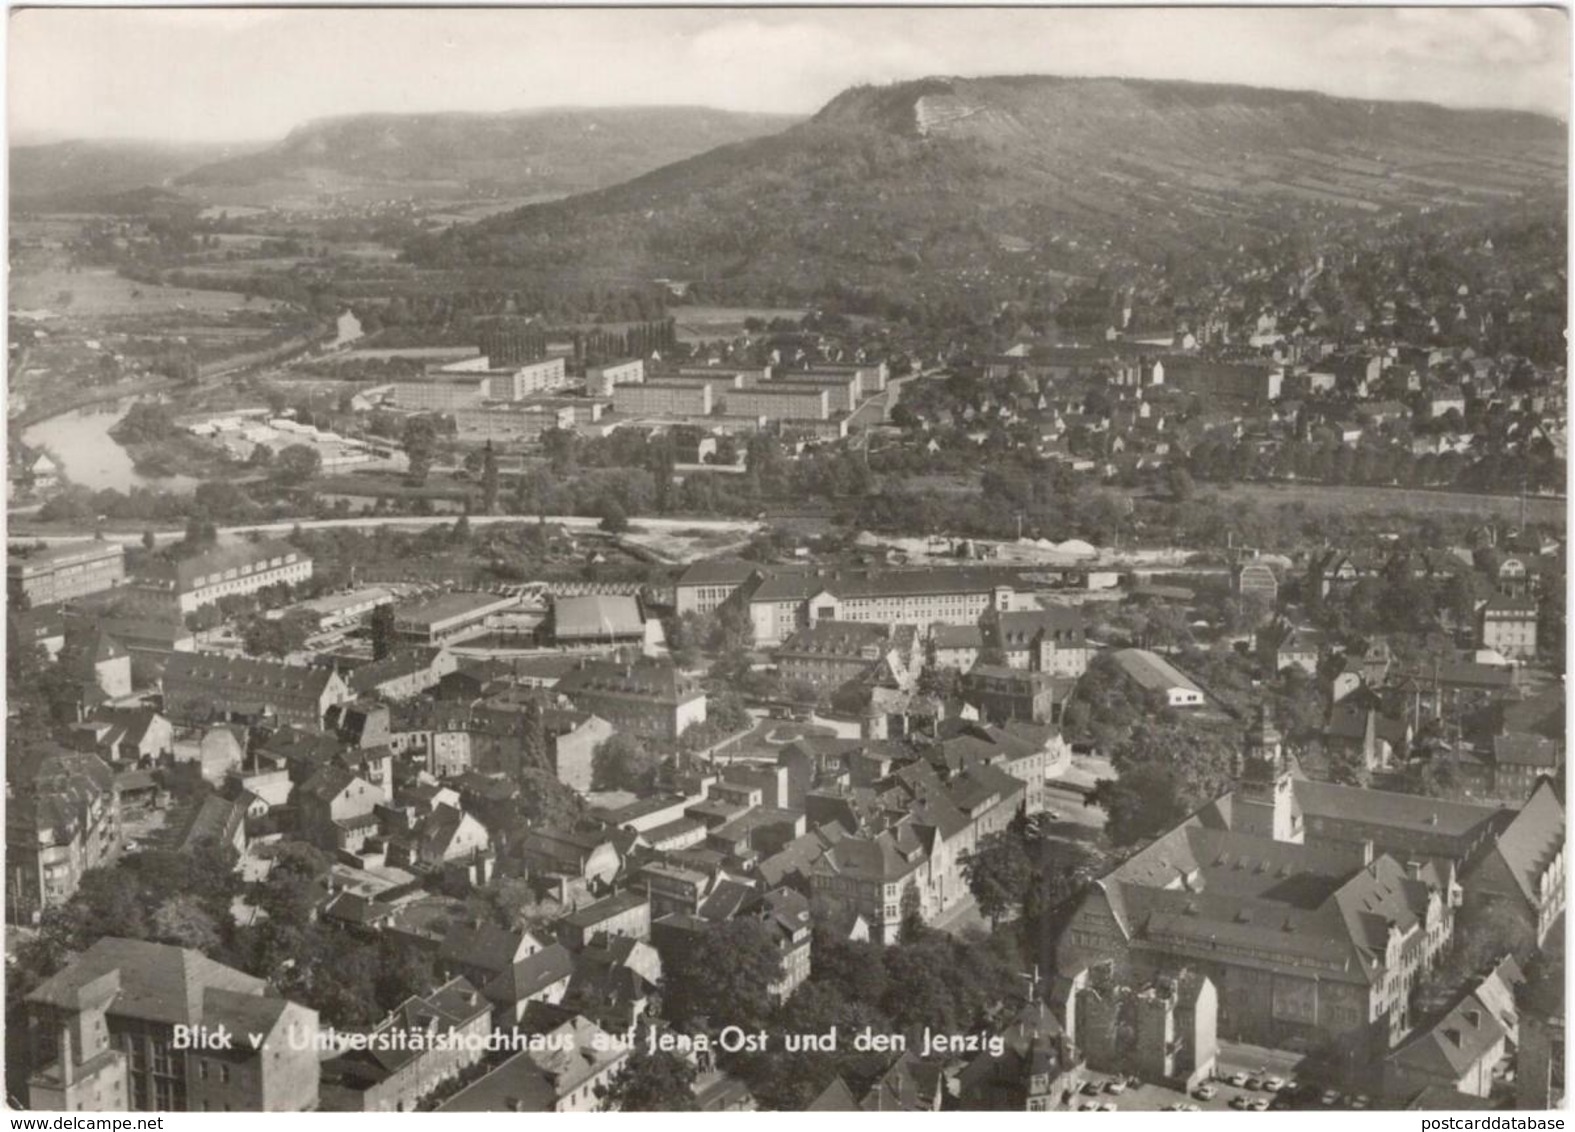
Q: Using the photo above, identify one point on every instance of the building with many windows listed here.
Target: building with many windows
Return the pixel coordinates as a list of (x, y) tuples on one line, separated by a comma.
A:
[(102, 1036), (780, 602), (199, 687), (1508, 626), (241, 568), (60, 573), (601, 379), (639, 695)]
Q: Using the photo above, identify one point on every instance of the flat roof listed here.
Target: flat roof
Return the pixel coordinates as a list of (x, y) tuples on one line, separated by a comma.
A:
[(444, 607)]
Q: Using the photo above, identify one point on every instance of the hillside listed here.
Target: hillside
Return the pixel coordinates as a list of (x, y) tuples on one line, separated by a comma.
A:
[(75, 170), (961, 185), (541, 153)]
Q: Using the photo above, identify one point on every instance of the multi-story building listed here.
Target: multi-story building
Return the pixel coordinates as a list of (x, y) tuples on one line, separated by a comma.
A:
[(448, 616), (541, 376), (638, 695), (1328, 959), (705, 586), (828, 654), (446, 1028), (60, 573), (1239, 381), (1519, 878), (622, 915), (1044, 640), (780, 602), (779, 403), (1508, 625), (668, 398), (549, 1079), (441, 392), (336, 809), (241, 568), (602, 378), (1002, 693), (745, 377), (1463, 1050), (1520, 760), (842, 389), (786, 913), (61, 821), (199, 687), (102, 1036)]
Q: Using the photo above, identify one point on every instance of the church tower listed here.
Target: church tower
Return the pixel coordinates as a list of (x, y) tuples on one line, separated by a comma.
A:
[(1264, 804)]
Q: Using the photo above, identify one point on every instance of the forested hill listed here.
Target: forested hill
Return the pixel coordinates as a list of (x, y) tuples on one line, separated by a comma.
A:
[(529, 153), (965, 185)]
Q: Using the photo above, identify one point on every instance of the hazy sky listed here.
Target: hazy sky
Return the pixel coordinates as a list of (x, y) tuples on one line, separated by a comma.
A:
[(255, 73)]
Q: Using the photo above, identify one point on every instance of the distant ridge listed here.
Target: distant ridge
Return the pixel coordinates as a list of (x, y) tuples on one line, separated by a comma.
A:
[(953, 183)]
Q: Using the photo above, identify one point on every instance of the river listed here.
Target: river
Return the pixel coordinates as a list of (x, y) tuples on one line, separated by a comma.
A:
[(80, 443)]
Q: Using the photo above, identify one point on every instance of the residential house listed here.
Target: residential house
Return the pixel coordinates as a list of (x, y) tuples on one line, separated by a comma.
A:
[(390, 1074)]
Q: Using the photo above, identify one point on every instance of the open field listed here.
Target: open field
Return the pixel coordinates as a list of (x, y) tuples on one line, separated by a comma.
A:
[(703, 324), (100, 293)]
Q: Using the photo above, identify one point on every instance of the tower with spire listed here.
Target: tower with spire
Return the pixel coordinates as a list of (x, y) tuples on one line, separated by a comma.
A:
[(1265, 804)]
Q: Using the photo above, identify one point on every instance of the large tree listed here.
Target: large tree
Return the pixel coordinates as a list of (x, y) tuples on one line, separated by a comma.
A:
[(1000, 873), (721, 978), (650, 1082)]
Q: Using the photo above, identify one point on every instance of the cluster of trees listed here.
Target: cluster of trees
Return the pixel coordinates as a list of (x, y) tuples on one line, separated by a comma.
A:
[(1379, 465), (1165, 773)]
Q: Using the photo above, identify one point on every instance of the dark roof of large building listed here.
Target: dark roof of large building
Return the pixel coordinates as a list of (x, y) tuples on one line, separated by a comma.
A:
[(157, 982), (646, 679), (244, 674), (1394, 810)]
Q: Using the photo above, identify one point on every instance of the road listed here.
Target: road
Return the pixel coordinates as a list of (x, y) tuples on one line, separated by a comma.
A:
[(403, 522)]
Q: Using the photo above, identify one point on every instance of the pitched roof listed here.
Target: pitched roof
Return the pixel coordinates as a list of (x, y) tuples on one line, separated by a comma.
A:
[(157, 982), (485, 946), (531, 975), (1532, 839), (246, 674)]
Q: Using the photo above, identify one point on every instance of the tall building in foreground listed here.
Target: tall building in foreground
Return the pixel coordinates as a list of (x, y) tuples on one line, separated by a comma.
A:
[(103, 1036)]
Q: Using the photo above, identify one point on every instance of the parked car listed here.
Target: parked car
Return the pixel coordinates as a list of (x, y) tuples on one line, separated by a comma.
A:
[(1237, 1079), (1259, 1104), (1205, 1092), (1115, 1085), (1090, 1088), (1254, 1083), (1273, 1084), (1330, 1097), (1239, 1101), (1359, 1101)]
